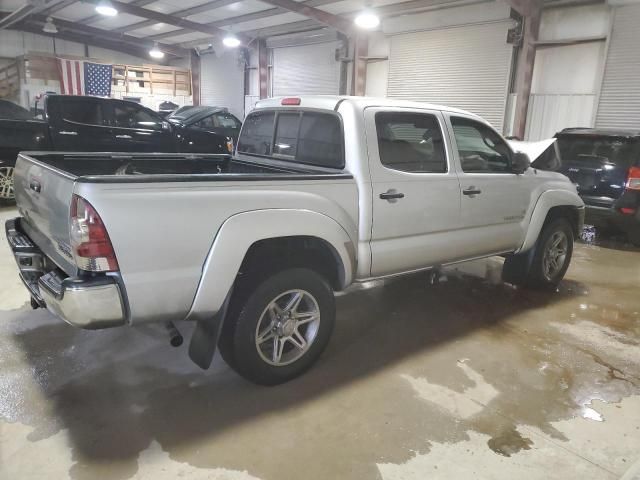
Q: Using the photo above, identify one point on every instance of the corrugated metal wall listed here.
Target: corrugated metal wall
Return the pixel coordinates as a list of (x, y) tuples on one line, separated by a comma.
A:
[(222, 83), (306, 70), (619, 104), (466, 67), (549, 113)]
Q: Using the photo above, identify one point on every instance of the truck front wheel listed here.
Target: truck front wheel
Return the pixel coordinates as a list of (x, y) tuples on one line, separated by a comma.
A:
[(546, 265), (280, 328)]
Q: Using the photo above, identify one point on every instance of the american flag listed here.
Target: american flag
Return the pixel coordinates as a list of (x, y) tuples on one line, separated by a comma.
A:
[(78, 77)]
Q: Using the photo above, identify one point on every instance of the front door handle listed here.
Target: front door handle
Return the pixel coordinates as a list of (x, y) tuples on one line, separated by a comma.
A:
[(471, 191), (126, 137), (67, 132), (391, 195)]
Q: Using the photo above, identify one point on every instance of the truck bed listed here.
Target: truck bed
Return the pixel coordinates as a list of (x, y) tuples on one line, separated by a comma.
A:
[(163, 167)]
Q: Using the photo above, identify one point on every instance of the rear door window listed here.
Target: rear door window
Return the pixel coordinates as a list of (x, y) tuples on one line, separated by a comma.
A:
[(411, 142), (309, 137), (85, 111)]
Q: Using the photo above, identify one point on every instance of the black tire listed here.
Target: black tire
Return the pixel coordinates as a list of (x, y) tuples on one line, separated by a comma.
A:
[(529, 269), (238, 338)]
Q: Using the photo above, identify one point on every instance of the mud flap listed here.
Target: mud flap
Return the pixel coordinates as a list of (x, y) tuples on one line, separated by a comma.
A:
[(516, 267), (204, 339)]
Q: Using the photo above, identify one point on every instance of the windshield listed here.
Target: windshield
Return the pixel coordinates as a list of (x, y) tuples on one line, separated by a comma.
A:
[(617, 150)]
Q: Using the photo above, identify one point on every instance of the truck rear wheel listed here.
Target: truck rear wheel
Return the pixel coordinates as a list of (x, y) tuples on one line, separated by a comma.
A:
[(280, 326), (546, 265)]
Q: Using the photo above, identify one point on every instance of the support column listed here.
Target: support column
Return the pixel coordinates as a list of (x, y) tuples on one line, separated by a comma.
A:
[(263, 68), (360, 53), (525, 67), (194, 63)]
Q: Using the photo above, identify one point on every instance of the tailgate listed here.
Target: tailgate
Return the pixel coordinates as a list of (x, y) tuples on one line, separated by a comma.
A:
[(43, 195)]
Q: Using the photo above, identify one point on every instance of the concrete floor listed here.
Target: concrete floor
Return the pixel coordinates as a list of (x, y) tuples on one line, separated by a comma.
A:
[(468, 378)]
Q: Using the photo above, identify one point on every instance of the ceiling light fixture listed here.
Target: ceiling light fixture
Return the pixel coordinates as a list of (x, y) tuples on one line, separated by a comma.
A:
[(49, 26), (367, 19), (231, 41), (106, 8), (155, 52)]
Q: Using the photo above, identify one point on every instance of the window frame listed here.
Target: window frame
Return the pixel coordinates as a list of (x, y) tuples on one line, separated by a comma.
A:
[(288, 159), (451, 116), (414, 112), (139, 107)]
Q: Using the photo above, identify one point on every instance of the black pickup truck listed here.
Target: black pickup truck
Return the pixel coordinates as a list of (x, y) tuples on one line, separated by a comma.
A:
[(70, 123)]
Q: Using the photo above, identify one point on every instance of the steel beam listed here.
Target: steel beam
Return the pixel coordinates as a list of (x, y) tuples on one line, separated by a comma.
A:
[(168, 19), (329, 19), (97, 33)]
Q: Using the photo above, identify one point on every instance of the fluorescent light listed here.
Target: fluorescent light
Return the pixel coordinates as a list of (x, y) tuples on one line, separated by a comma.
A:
[(155, 52), (367, 20), (105, 8), (231, 41)]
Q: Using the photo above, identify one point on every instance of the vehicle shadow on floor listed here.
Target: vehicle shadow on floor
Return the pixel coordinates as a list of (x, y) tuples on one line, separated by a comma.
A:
[(116, 391)]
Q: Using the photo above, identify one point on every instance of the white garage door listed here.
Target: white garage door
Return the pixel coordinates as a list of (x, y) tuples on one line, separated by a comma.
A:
[(222, 82), (306, 70), (619, 105), (465, 67)]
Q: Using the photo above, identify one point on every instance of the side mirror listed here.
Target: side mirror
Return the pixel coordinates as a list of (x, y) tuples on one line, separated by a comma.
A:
[(520, 162), (166, 126)]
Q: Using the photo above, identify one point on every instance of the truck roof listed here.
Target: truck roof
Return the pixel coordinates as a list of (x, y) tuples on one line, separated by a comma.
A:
[(330, 102)]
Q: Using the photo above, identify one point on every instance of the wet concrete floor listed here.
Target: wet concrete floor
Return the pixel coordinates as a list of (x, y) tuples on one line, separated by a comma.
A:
[(467, 378)]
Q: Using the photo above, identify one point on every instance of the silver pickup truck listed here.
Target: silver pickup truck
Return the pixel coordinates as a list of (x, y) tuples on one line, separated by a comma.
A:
[(322, 192)]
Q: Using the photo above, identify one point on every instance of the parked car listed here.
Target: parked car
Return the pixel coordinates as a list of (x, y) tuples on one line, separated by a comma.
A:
[(322, 192), (605, 167), (195, 125), (91, 124)]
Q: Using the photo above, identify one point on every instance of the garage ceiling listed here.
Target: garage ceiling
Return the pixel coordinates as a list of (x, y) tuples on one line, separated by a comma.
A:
[(179, 25)]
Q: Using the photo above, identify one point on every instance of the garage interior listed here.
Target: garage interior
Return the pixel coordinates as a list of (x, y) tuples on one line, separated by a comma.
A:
[(453, 374)]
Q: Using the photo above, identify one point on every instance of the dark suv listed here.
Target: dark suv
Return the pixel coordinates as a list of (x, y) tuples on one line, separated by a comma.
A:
[(605, 167)]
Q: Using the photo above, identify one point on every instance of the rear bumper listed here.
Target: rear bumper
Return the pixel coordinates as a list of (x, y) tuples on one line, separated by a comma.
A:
[(91, 302), (612, 218)]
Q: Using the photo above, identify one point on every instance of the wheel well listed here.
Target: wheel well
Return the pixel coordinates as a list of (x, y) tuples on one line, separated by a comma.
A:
[(273, 254), (570, 213)]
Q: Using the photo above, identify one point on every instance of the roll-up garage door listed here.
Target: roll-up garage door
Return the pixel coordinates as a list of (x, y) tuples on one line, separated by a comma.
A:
[(222, 82), (306, 70), (619, 105), (465, 67)]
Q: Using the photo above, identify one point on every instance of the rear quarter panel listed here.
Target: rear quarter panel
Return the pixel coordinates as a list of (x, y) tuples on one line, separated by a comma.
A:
[(163, 232)]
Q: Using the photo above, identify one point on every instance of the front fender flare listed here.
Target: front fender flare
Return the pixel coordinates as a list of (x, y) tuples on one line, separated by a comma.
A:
[(546, 201)]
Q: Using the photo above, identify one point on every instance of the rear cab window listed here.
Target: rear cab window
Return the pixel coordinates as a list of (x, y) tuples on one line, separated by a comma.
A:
[(302, 136)]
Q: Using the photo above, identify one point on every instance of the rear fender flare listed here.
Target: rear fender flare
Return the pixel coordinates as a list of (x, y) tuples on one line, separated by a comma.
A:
[(239, 232), (546, 201)]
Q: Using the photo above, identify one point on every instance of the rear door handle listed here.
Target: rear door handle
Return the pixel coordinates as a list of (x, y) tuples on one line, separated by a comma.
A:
[(127, 137), (391, 195), (67, 132), (471, 191)]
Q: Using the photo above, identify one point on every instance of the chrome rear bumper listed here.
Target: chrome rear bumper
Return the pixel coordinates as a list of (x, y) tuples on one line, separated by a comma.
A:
[(91, 302)]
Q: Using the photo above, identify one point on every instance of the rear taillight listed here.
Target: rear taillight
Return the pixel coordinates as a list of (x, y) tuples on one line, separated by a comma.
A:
[(90, 242), (633, 180), (230, 145)]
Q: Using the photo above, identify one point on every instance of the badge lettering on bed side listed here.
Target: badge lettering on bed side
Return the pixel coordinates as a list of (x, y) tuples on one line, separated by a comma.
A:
[(65, 249)]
